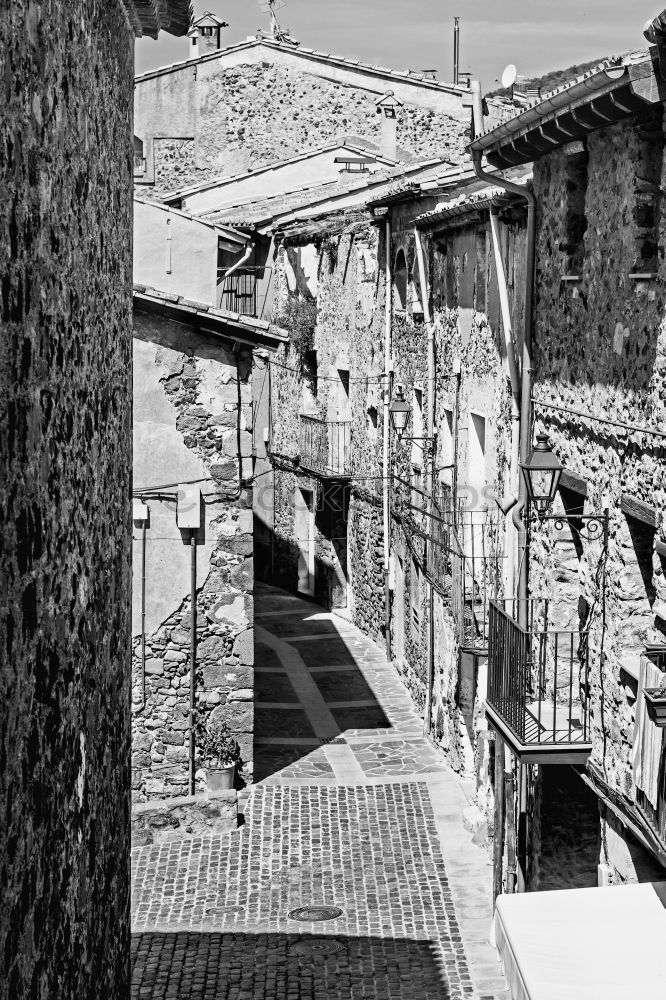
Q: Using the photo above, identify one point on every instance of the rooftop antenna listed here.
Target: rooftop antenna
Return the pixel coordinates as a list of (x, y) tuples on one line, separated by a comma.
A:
[(271, 6)]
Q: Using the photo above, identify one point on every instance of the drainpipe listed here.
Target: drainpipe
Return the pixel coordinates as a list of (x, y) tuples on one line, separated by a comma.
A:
[(385, 440), (193, 652), (515, 393), (525, 427), (526, 375), (245, 256), (430, 479)]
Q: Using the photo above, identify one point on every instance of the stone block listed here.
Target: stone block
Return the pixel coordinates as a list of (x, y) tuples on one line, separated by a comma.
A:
[(184, 817), (243, 576), (212, 649), (244, 647), (241, 694), (154, 666)]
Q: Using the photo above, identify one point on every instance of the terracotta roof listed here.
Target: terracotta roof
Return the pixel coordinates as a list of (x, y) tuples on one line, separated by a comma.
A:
[(314, 55), (207, 318), (467, 204), (253, 214), (149, 17), (275, 165)]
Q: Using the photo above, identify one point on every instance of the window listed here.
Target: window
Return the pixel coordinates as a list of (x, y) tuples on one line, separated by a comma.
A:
[(476, 464), (447, 459), (400, 280), (575, 218), (481, 274)]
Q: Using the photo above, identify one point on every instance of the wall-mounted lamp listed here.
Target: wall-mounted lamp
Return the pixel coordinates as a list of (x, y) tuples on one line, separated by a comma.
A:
[(541, 473), (399, 411)]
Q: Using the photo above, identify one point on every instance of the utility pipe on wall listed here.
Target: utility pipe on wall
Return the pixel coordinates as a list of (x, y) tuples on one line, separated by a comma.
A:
[(193, 652), (514, 471), (430, 476), (385, 440), (526, 374)]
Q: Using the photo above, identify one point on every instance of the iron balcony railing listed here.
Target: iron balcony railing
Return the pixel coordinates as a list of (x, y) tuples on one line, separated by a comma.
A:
[(325, 446), (537, 676)]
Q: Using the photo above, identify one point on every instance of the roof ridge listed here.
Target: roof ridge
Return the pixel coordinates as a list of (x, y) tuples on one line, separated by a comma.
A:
[(405, 75)]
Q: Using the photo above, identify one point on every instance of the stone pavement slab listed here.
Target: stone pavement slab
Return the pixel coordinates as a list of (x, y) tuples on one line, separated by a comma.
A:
[(362, 814)]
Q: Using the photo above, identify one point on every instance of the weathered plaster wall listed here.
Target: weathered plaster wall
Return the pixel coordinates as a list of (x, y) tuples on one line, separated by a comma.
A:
[(225, 116), (174, 253), (192, 414), (65, 262), (601, 349)]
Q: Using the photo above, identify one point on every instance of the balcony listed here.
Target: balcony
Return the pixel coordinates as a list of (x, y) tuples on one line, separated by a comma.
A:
[(537, 685), (325, 447)]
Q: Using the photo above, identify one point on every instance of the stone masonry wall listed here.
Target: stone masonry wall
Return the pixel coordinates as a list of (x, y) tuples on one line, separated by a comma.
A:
[(249, 115), (207, 389), (601, 349), (65, 337)]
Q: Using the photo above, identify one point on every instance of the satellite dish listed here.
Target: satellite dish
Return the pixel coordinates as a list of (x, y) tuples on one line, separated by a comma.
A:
[(509, 76)]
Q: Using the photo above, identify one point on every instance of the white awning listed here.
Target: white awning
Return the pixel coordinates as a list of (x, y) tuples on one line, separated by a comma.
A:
[(584, 944)]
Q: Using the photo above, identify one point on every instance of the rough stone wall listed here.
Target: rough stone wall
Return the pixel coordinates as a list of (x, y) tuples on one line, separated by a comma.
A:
[(208, 390), (601, 349), (249, 115), (65, 261), (174, 164)]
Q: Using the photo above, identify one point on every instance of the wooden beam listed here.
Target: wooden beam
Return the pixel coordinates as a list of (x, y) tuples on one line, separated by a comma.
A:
[(572, 481), (640, 511)]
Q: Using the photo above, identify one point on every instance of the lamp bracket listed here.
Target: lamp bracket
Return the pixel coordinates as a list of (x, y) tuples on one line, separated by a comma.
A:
[(588, 527)]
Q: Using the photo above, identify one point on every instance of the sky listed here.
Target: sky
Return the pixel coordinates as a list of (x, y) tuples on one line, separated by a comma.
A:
[(535, 35)]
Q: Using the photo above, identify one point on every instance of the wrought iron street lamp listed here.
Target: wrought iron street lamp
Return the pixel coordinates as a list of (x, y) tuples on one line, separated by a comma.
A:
[(541, 473), (399, 411)]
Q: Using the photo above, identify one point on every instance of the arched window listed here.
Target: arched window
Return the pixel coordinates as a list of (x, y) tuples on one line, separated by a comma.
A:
[(400, 280)]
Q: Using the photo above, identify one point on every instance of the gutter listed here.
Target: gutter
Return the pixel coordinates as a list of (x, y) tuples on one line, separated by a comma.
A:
[(430, 479), (526, 375), (607, 77)]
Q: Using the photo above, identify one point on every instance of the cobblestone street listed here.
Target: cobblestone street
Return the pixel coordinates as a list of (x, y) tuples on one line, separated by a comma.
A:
[(354, 810)]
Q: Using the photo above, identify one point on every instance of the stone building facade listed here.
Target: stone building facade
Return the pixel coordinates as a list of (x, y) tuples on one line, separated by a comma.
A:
[(65, 485), (192, 450), (264, 100), (597, 389), (328, 513)]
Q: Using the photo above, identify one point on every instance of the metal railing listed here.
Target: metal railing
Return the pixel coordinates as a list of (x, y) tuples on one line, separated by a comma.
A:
[(538, 675), (325, 446)]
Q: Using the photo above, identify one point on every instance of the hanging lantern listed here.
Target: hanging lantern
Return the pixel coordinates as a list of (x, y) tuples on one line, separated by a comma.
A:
[(399, 411)]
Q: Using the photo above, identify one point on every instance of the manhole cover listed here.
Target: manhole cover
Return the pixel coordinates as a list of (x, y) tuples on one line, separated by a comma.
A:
[(316, 948), (315, 913)]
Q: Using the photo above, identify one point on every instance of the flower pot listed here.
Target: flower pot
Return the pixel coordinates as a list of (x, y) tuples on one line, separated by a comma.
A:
[(220, 779), (655, 702)]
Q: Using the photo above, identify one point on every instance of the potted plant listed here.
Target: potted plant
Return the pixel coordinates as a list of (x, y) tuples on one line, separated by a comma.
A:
[(220, 753)]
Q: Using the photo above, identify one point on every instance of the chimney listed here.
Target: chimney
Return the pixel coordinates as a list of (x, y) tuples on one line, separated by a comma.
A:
[(387, 107), (205, 35)]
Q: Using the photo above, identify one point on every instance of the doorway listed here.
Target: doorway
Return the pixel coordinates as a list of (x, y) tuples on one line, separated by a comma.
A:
[(304, 525)]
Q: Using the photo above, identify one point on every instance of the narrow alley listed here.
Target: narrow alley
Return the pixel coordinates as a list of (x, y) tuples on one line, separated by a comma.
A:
[(353, 813)]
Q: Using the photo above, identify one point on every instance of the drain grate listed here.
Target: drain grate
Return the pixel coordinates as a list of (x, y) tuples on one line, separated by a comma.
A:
[(316, 948), (315, 913)]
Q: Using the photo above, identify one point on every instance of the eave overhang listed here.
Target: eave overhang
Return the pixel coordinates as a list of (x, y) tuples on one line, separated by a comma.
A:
[(149, 17), (613, 92), (199, 316)]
